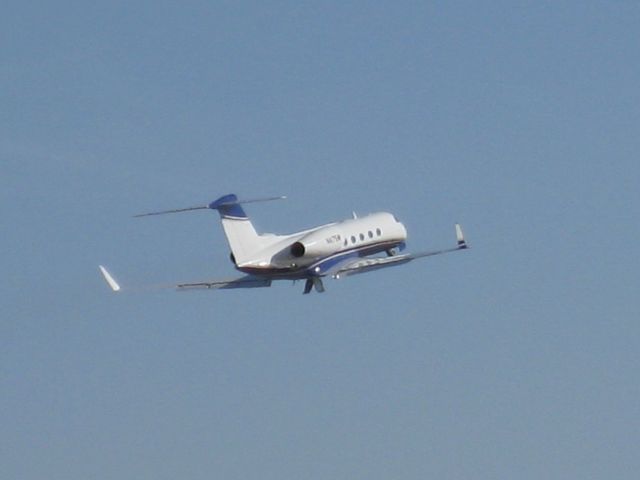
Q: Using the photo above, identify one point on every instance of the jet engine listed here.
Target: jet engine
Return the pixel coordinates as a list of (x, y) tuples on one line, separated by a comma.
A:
[(317, 244), (298, 250)]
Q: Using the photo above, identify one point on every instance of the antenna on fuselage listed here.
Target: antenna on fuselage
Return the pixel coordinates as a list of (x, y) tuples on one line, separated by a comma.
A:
[(355, 215)]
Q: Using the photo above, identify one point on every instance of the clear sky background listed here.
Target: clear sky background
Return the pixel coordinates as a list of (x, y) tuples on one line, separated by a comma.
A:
[(516, 359)]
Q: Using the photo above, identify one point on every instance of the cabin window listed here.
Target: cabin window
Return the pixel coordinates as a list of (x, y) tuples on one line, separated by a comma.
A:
[(378, 232), (346, 242), (353, 239), (370, 234), (362, 236)]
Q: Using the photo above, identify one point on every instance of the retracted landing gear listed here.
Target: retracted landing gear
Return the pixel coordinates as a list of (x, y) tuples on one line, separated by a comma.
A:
[(313, 282)]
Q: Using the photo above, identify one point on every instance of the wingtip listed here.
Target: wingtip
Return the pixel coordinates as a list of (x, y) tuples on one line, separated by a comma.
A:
[(462, 243), (109, 279)]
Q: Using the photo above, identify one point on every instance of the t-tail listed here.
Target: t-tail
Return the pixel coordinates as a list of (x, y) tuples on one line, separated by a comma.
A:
[(242, 237)]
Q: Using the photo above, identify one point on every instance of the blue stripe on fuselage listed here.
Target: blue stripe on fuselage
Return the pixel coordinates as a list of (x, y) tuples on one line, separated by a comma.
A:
[(324, 265)]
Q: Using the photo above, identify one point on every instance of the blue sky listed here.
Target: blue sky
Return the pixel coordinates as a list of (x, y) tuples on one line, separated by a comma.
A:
[(518, 358)]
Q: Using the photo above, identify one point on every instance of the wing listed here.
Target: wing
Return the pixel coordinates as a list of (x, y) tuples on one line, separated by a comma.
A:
[(247, 281), (364, 265)]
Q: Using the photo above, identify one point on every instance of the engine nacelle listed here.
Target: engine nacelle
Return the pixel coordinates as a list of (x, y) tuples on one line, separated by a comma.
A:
[(298, 250), (317, 244)]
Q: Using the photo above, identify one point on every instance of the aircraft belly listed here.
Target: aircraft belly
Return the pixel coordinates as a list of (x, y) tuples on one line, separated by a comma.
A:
[(319, 266)]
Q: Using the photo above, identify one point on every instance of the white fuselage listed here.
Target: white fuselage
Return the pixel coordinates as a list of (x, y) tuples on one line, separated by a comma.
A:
[(314, 251)]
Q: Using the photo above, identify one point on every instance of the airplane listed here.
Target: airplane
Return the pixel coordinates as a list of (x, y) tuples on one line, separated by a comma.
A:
[(337, 250)]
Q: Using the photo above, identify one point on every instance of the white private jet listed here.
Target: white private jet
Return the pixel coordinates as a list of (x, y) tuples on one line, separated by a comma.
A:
[(355, 245)]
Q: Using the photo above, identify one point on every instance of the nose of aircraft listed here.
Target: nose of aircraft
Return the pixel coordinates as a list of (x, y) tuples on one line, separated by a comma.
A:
[(403, 230)]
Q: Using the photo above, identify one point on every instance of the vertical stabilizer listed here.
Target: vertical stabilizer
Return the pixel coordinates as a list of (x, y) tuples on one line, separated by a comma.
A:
[(242, 237)]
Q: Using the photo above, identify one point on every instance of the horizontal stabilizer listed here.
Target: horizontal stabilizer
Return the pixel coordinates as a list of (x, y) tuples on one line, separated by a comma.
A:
[(177, 210), (226, 201)]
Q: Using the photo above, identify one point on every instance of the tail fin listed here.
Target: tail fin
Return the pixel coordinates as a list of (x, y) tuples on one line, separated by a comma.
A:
[(242, 237)]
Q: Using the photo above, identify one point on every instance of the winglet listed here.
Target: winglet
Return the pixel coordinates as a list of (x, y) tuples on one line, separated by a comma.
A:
[(109, 279), (460, 237)]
